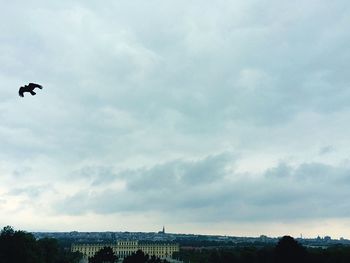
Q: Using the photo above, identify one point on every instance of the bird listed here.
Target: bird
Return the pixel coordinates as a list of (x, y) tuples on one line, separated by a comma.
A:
[(29, 88)]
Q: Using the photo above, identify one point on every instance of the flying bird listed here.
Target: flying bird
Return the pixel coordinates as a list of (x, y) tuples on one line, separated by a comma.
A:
[(29, 88)]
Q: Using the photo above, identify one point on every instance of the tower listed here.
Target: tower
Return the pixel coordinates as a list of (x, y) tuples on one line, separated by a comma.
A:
[(162, 231)]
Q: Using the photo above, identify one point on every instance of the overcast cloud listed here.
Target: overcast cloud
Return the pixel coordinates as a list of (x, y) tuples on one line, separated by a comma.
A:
[(227, 118)]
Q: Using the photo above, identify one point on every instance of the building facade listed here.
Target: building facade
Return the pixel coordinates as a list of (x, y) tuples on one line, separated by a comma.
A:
[(125, 248)]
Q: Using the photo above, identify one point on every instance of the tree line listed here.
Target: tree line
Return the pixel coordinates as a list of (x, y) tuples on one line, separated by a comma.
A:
[(22, 247), (106, 255), (287, 250)]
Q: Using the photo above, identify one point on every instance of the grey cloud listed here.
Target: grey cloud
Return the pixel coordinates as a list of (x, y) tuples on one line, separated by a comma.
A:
[(326, 150), (136, 92), (96, 175), (145, 187), (178, 173), (215, 194), (281, 170), (21, 171), (34, 191), (196, 74)]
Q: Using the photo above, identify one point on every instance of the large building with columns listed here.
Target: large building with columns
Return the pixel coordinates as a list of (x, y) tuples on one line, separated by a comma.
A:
[(125, 248)]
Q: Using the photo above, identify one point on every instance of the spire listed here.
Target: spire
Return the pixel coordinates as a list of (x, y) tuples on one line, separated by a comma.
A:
[(162, 231)]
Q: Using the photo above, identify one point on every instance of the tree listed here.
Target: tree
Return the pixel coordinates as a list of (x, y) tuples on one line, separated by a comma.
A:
[(138, 257), (214, 257), (104, 255), (22, 247), (69, 257), (18, 246), (49, 249), (154, 259), (289, 250), (7, 232)]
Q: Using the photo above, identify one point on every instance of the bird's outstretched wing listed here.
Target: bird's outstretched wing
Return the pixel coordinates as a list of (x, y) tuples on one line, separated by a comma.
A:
[(20, 92), (34, 85)]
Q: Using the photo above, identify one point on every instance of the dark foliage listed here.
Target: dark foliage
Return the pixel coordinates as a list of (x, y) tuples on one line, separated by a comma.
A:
[(18, 246), (140, 257), (287, 250), (22, 247), (49, 249), (104, 255)]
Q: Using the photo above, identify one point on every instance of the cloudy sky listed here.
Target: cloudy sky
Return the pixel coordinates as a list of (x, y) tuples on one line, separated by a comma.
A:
[(225, 118)]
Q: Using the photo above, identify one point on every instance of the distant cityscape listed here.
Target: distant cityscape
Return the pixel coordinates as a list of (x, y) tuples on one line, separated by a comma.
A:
[(184, 240)]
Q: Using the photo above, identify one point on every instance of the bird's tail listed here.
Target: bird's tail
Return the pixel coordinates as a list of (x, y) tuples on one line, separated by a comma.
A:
[(33, 93)]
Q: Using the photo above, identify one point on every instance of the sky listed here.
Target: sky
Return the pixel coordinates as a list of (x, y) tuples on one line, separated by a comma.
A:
[(227, 118)]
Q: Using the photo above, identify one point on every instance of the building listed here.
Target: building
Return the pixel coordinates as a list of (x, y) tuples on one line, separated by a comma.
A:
[(163, 231), (125, 248)]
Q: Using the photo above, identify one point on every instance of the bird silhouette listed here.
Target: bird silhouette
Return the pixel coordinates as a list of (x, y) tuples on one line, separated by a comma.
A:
[(29, 88)]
